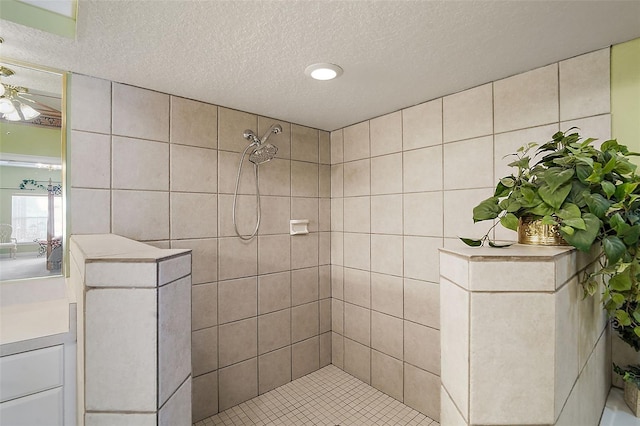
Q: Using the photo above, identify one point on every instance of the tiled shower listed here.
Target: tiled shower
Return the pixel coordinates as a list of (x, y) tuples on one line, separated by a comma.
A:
[(382, 196)]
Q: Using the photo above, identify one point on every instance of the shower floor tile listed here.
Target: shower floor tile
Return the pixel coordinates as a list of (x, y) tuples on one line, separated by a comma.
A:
[(328, 397)]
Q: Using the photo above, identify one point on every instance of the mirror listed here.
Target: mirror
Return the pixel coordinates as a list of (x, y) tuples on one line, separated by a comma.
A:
[(31, 180)]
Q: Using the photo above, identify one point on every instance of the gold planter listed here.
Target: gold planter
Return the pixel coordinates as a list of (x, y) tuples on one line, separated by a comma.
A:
[(532, 231)]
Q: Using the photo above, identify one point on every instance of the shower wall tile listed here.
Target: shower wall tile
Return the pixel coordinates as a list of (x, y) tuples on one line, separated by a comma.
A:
[(324, 151), (305, 208), (337, 214), (422, 391), (526, 100), (305, 357), (357, 214), (325, 315), (276, 213), (422, 214), (274, 253), (386, 134), (304, 144), (91, 106), (274, 369), (386, 214), (422, 347), (231, 127), (337, 248), (304, 179), (357, 251), (304, 286), (468, 114), (305, 321), (337, 316), (337, 180), (274, 292), (356, 141), (422, 169), (324, 176), (274, 331), (204, 394), (386, 174), (193, 123), (325, 349), (357, 360), (356, 178), (422, 125), (386, 374), (357, 287), (304, 251), (237, 258), (337, 145), (193, 169), (140, 164), (90, 211), (469, 164), (140, 215), (387, 294), (204, 252), (204, 351), (193, 215), (237, 341), (458, 213), (598, 127), (282, 140), (337, 350), (422, 302), (227, 174), (276, 179), (584, 85), (324, 281), (204, 305), (239, 382), (421, 258), (324, 248), (245, 214), (337, 282), (386, 334), (324, 215), (386, 254), (140, 113), (357, 324), (237, 299), (91, 158)]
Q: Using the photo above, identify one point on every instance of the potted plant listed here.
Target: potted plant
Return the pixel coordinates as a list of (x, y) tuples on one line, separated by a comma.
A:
[(590, 196)]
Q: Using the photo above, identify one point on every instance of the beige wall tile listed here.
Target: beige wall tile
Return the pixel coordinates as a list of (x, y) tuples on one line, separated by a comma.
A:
[(421, 258), (274, 331), (237, 258), (140, 164), (304, 179), (193, 169), (275, 215), (305, 357), (422, 214), (337, 214), (357, 287), (141, 215), (526, 100), (468, 114), (304, 143), (598, 127), (357, 214), (91, 105), (204, 396), (337, 180), (337, 282), (282, 140), (422, 391), (357, 323), (90, 211), (237, 299), (274, 369), (357, 248), (386, 134), (204, 344), (228, 172), (231, 127), (422, 302), (387, 294), (422, 169), (356, 141), (469, 164), (324, 284), (337, 144), (305, 208), (325, 349), (324, 214), (386, 174), (194, 123), (422, 347), (240, 383), (324, 141), (305, 321), (511, 276), (273, 253), (304, 286), (422, 125), (237, 342), (386, 214), (276, 178), (193, 215), (337, 350), (357, 360), (140, 113), (386, 334), (356, 178), (204, 306), (324, 184), (449, 414), (204, 268), (337, 316), (324, 248), (325, 315), (387, 374), (566, 343), (246, 217), (90, 160), (304, 251), (458, 213), (585, 85), (274, 292), (386, 254), (337, 248)]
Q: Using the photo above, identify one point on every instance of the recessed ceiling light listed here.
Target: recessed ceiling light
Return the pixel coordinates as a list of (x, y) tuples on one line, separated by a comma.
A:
[(323, 71)]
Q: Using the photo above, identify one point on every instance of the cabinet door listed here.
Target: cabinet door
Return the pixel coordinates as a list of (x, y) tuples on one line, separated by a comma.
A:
[(30, 372), (43, 408)]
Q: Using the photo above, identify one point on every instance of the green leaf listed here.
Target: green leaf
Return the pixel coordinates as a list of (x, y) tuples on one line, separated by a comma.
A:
[(621, 281), (623, 317), (567, 230), (508, 182), (549, 220), (582, 239), (542, 209), (486, 210), (577, 223), (614, 248), (618, 299), (631, 235), (637, 331), (471, 242), (556, 177), (501, 190), (509, 221), (554, 197), (496, 245), (598, 205), (569, 211), (611, 164), (583, 171), (608, 188)]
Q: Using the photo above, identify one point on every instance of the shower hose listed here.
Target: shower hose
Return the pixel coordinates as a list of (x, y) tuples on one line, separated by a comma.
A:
[(235, 197)]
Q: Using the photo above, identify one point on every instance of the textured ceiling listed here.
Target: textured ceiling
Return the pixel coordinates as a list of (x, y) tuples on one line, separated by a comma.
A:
[(251, 55)]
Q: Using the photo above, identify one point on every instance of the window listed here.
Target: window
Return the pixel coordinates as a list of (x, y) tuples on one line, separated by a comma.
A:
[(29, 215)]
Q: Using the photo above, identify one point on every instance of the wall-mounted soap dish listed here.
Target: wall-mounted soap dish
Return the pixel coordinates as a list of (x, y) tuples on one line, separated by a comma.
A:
[(298, 227)]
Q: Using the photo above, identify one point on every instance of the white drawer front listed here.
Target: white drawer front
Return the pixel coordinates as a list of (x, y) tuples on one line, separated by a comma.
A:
[(30, 372), (40, 409)]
